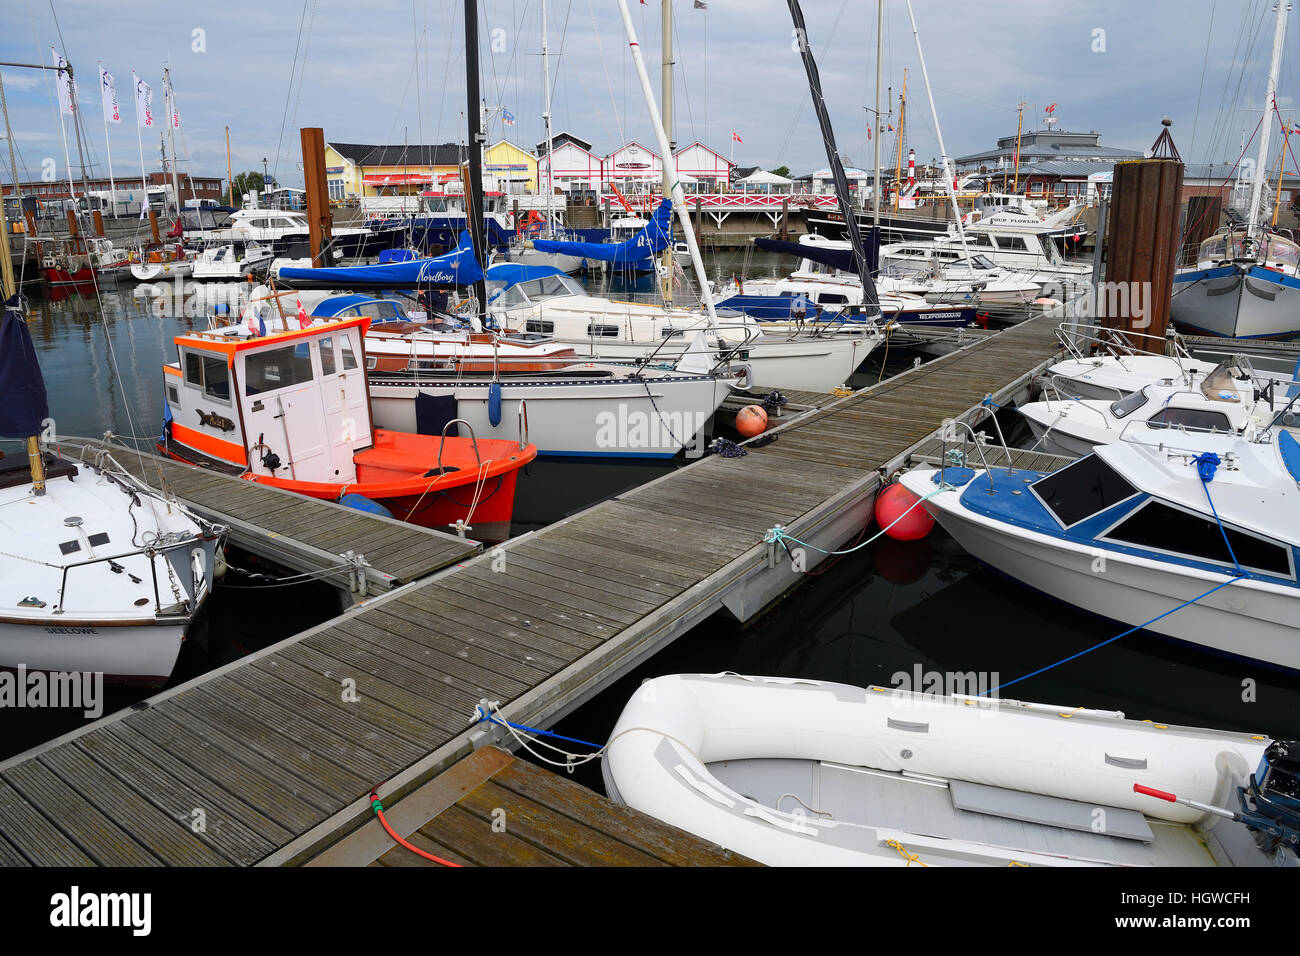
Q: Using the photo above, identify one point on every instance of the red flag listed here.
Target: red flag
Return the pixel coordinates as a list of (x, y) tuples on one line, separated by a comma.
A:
[(303, 321), (252, 315), (1052, 108), (736, 136), (868, 132)]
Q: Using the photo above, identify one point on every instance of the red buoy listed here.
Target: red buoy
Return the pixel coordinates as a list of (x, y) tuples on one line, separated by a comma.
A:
[(895, 501), (751, 420)]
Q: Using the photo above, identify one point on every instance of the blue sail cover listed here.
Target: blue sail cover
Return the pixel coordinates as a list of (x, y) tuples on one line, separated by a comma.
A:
[(23, 405), (645, 245), (458, 267)]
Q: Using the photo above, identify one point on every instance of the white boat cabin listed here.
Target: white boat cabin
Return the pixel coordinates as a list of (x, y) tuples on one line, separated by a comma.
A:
[(1227, 246), (292, 403)]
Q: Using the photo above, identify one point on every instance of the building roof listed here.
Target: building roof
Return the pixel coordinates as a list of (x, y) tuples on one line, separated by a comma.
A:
[(1046, 144), (1063, 168), (409, 154), (559, 139), (740, 172)]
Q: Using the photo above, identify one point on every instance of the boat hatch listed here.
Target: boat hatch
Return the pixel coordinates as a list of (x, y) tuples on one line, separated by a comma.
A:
[(1220, 385), (1081, 490)]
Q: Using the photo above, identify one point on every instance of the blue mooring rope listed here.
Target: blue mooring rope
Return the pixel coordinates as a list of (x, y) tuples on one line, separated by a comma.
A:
[(489, 719)]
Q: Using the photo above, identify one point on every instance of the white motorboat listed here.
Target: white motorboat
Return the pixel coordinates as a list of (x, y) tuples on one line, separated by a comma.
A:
[(1141, 527), (808, 773), (547, 302), (1226, 400), (227, 261)]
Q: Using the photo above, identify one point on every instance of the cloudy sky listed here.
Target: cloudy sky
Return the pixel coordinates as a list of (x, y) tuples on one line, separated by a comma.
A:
[(385, 70)]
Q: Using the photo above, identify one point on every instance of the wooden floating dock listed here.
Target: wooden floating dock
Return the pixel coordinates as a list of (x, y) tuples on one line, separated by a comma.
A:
[(304, 534), (492, 809), (277, 753)]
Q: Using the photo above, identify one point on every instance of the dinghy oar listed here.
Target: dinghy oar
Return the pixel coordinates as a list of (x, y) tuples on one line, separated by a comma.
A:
[(1194, 804)]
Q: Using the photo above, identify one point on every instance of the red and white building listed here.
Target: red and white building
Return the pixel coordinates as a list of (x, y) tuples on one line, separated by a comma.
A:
[(632, 167)]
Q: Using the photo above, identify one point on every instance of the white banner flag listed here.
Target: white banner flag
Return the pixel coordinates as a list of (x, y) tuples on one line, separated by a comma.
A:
[(63, 82), (143, 102), (108, 94)]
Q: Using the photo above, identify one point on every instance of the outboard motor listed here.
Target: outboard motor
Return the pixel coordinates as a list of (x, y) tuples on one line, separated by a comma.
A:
[(1271, 804)]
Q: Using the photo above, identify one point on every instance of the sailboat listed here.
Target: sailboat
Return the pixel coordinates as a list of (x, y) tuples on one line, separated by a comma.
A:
[(1245, 282), (98, 572)]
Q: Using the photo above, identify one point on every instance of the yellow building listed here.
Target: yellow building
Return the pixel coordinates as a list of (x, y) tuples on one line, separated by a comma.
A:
[(358, 170), (508, 168)]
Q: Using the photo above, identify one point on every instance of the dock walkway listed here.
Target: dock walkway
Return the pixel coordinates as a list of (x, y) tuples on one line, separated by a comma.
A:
[(275, 754)]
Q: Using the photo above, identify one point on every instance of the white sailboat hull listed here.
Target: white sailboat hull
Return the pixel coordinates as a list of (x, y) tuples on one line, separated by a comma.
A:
[(1233, 302), (135, 653)]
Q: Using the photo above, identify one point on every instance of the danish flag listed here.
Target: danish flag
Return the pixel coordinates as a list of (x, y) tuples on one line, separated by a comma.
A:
[(736, 136), (303, 321)]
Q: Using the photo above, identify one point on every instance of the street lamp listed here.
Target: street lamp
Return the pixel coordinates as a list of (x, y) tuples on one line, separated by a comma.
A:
[(264, 174)]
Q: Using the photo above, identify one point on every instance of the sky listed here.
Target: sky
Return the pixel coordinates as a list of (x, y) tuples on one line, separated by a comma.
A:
[(385, 71)]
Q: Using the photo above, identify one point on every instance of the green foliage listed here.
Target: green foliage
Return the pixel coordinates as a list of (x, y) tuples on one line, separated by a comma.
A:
[(781, 171), (244, 183)]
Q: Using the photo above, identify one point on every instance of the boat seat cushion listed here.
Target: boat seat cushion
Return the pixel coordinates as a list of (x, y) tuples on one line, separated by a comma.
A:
[(1051, 811)]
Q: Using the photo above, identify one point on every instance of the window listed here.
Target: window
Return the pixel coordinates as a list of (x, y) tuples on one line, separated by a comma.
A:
[(1191, 418), (349, 359), (1081, 490), (602, 331), (173, 395), (1161, 527), (194, 369), (1058, 189), (540, 326), (327, 364), (833, 298), (1012, 244), (277, 368), (1128, 404)]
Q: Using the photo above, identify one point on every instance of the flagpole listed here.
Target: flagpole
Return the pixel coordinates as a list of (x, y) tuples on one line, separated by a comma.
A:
[(63, 131), (107, 143)]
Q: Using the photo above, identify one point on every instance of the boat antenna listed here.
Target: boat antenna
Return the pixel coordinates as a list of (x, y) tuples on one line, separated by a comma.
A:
[(943, 154), (679, 200), (474, 192), (870, 301)]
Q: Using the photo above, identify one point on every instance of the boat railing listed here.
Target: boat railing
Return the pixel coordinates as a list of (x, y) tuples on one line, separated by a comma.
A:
[(1084, 341), (948, 433), (1172, 436), (1061, 386), (159, 548), (478, 459), (1061, 398)]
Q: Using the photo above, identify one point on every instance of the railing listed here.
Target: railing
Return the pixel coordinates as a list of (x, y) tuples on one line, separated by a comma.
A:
[(478, 459), (151, 551)]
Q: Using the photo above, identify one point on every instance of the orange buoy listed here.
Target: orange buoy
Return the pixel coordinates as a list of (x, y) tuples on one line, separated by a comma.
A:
[(751, 420), (894, 502)]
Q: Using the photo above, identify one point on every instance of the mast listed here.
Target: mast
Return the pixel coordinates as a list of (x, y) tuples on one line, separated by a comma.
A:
[(170, 95), (546, 117), (1020, 120), (474, 192), (1270, 101), (76, 129), (13, 167), (875, 119), (108, 143), (666, 93), (943, 154), (869, 298), (230, 175), (661, 136), (898, 169)]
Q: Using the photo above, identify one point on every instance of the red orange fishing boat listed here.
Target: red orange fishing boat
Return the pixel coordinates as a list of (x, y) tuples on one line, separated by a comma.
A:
[(290, 408)]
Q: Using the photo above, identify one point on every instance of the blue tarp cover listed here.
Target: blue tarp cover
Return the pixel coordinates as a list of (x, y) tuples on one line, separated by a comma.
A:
[(458, 267), (651, 240)]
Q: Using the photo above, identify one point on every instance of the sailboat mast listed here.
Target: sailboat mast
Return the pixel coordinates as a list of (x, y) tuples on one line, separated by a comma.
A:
[(870, 302), (170, 95), (666, 95), (875, 118), (1020, 122), (902, 118), (661, 136), (943, 153), (474, 190), (546, 117), (1270, 99)]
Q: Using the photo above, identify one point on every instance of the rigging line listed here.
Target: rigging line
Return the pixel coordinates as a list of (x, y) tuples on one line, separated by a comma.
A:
[(1196, 117), (686, 90), (803, 97), (446, 69), (416, 37), (288, 93), (609, 85), (1226, 116), (302, 73)]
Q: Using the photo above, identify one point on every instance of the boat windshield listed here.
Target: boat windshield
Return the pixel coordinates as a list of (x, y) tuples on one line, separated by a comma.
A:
[(1283, 252), (1079, 491), (549, 287), (1220, 385)]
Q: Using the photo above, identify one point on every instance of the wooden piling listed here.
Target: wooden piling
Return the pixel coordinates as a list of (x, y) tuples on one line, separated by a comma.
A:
[(319, 219)]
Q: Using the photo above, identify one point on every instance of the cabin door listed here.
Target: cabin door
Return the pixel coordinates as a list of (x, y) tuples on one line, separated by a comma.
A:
[(347, 409), (285, 416)]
